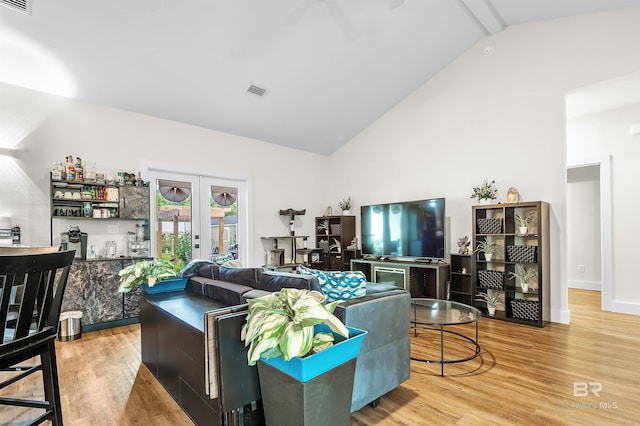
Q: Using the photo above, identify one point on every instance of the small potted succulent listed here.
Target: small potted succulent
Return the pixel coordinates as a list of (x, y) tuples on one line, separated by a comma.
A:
[(523, 221), (345, 206), (491, 299), (337, 246), (485, 193), (324, 226), (523, 275), (488, 248), (148, 273)]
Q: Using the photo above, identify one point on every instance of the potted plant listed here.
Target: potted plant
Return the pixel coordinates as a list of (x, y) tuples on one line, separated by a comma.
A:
[(337, 245), (345, 206), (486, 192), (523, 275), (491, 299), (523, 221), (324, 226), (148, 273), (488, 248), (300, 347)]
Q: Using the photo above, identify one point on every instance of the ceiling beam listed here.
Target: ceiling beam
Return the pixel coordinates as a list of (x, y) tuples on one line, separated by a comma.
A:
[(485, 14)]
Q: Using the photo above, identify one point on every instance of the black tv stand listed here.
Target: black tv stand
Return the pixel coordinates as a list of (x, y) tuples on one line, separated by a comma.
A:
[(423, 260), (421, 279)]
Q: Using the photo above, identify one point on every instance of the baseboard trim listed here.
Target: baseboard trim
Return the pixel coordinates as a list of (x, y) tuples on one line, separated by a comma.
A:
[(625, 307), (562, 316), (585, 285)]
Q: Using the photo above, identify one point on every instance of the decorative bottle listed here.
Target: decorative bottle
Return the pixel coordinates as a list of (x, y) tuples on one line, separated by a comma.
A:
[(79, 171), (71, 170)]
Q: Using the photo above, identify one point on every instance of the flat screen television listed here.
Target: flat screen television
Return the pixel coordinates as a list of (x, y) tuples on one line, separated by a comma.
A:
[(404, 229)]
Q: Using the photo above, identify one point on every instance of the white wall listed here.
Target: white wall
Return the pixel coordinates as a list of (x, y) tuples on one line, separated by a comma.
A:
[(498, 116), (607, 133), (583, 228), (47, 128)]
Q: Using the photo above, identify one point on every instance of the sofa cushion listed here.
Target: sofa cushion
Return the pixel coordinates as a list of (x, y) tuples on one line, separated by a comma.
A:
[(274, 281), (194, 267), (224, 292), (254, 294), (338, 285), (243, 276), (209, 271)]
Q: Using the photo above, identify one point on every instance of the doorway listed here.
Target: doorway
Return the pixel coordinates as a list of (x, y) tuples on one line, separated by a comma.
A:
[(589, 228), (199, 217), (583, 228)]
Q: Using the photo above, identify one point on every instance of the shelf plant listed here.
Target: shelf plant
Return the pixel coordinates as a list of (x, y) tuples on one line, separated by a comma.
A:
[(337, 245), (485, 192), (491, 299), (345, 204), (324, 226), (487, 247), (523, 275), (148, 272), (523, 221)]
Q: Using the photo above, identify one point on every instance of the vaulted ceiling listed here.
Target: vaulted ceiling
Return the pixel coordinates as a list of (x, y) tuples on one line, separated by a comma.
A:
[(308, 74)]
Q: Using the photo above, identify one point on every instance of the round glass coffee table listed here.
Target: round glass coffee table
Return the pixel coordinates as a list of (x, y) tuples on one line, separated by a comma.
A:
[(436, 314)]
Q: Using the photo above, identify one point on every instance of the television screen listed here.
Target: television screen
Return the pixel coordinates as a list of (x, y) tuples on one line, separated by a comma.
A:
[(410, 228)]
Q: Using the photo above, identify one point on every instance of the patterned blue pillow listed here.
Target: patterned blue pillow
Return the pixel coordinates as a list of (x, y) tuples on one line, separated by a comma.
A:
[(338, 285)]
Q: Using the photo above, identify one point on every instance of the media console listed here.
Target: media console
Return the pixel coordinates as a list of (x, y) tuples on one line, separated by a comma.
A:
[(428, 280)]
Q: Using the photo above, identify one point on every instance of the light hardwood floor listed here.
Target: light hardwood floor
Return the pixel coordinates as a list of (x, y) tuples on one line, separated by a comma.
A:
[(525, 375)]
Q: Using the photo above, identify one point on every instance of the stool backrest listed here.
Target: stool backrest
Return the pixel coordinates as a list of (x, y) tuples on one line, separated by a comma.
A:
[(44, 278)]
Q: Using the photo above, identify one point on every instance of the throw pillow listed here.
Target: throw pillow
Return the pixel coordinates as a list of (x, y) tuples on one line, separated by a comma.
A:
[(338, 285), (243, 276)]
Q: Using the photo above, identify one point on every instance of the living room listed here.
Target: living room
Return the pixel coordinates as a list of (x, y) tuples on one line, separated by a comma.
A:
[(500, 116)]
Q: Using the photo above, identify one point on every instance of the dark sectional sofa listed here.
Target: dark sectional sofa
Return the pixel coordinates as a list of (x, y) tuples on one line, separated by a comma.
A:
[(384, 360)]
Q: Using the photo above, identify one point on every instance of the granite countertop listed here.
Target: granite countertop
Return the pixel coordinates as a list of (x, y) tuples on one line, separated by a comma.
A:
[(93, 259)]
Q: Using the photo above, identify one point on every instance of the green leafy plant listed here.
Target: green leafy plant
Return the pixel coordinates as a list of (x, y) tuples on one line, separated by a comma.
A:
[(147, 271), (523, 220), (324, 226), (281, 324), (337, 245), (345, 204), (522, 274), (486, 191), (486, 246), (492, 300)]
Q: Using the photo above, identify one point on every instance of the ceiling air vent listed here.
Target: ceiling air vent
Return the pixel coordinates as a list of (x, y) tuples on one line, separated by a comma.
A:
[(23, 6), (255, 90)]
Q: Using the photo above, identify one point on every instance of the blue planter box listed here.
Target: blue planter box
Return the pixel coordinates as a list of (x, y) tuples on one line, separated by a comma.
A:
[(164, 286), (307, 368)]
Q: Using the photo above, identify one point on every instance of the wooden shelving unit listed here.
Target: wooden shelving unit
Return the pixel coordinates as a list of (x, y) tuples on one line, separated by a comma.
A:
[(335, 240), (495, 222), (461, 283)]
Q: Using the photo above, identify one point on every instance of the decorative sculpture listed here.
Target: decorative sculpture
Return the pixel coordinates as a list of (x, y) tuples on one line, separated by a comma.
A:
[(353, 245), (463, 245)]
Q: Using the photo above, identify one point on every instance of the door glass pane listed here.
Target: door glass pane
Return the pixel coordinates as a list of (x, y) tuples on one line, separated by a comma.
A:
[(174, 211), (224, 221)]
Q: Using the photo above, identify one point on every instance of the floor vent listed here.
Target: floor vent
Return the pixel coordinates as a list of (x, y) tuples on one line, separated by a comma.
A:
[(255, 90), (23, 6)]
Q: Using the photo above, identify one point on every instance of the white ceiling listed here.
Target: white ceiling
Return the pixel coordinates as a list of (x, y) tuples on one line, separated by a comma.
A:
[(330, 67)]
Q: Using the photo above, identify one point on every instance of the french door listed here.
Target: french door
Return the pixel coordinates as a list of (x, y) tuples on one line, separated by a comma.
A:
[(198, 217)]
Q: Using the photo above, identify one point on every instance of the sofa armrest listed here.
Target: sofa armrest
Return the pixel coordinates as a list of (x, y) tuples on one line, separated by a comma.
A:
[(384, 359)]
